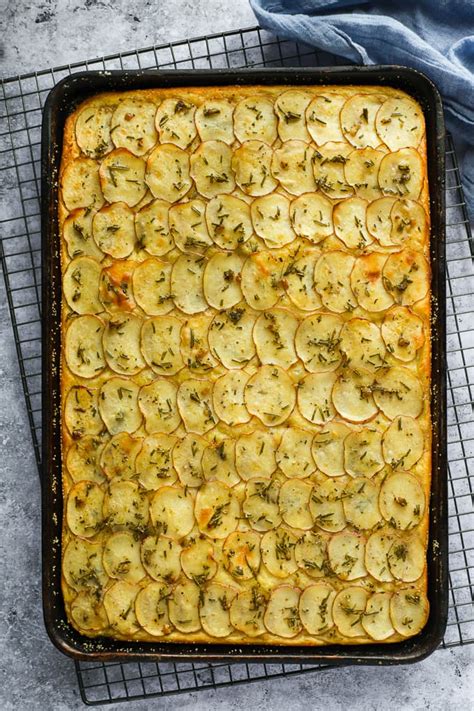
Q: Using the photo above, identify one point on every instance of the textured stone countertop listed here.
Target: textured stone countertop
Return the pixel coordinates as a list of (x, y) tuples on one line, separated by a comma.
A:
[(33, 675)]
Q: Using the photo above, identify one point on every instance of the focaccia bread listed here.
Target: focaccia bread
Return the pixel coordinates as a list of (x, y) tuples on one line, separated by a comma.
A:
[(245, 365)]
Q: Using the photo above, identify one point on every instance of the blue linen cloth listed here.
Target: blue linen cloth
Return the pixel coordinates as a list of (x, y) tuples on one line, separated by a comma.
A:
[(433, 36)]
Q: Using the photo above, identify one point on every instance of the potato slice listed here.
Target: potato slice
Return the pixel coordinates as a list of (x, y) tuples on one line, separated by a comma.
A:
[(261, 280), (322, 117), (168, 172), (332, 280), (125, 506), (270, 395), (122, 557), (82, 459), (401, 500), (161, 558), (363, 453), (81, 285), (152, 286), (402, 173), (292, 166), (81, 412), (228, 221), (311, 554), (406, 276), (251, 164), (254, 118), (218, 462), (376, 551), (260, 507), (117, 459), (77, 233), (92, 131), (241, 551), (230, 337), (407, 559), (122, 177), (403, 443), (118, 405), (328, 169), (183, 607), (174, 122), (172, 511), (328, 448), (290, 107), (350, 223), (119, 603), (400, 123), (361, 172), (80, 185), (84, 509), (187, 283), (228, 397), (214, 610), (298, 280), (282, 614), (358, 120), (271, 220), (278, 552), (217, 510), (247, 611), (88, 612), (158, 403), (214, 120), (403, 333), (361, 503), (379, 221), (187, 459), (255, 454), (152, 228), (198, 562), (153, 464), (409, 610), (195, 405), (368, 283), (352, 395), (83, 346), (294, 455), (408, 224), (115, 286), (314, 397), (221, 280), (399, 392), (211, 170), (376, 620), (346, 551), (315, 608), (152, 610), (160, 344), (311, 215), (294, 504), (274, 336), (82, 565), (133, 125), (122, 344), (317, 342), (361, 344), (195, 347), (188, 227), (326, 505)]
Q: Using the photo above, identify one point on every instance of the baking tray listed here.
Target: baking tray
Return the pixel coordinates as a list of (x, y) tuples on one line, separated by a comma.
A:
[(61, 101)]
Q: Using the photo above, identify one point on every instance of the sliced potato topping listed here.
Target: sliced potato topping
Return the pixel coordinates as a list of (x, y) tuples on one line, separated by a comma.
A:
[(187, 459), (247, 611), (271, 220), (314, 397), (363, 452), (406, 276), (81, 285), (278, 552), (379, 221), (292, 166), (274, 336), (80, 186), (214, 610), (294, 504), (254, 119), (282, 614), (167, 172), (358, 120), (317, 342), (152, 610), (195, 405), (217, 510), (298, 280), (403, 443), (409, 610), (294, 454), (402, 501), (125, 506), (322, 117), (408, 223), (221, 280), (346, 551), (400, 123), (77, 233), (133, 126), (332, 280), (353, 396), (152, 228), (119, 603), (255, 454), (251, 163), (241, 551), (350, 223), (368, 283), (117, 459), (376, 620), (326, 505), (82, 565), (260, 506), (88, 612), (376, 551), (399, 392), (311, 554), (401, 174), (403, 333), (361, 345), (407, 559), (82, 459), (228, 397), (312, 217), (183, 607), (195, 347), (118, 405), (174, 122), (187, 283), (211, 170), (158, 403), (315, 608), (361, 503), (81, 412), (213, 120), (262, 280), (113, 228), (122, 177), (328, 169), (230, 337), (122, 344), (270, 395), (160, 344), (228, 221), (361, 172), (152, 286), (172, 511), (115, 286), (290, 107), (83, 346), (84, 511), (328, 448), (122, 557), (218, 462), (153, 464), (198, 562), (92, 130), (188, 227)]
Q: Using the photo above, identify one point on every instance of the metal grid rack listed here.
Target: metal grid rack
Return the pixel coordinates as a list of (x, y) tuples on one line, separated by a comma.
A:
[(20, 251)]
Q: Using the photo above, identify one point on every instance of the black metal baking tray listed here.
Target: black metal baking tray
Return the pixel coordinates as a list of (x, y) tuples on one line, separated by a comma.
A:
[(62, 101)]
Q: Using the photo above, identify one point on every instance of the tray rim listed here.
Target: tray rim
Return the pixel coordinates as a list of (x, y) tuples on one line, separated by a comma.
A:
[(61, 100)]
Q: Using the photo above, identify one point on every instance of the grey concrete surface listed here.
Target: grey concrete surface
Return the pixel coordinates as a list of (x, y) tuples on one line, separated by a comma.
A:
[(33, 675)]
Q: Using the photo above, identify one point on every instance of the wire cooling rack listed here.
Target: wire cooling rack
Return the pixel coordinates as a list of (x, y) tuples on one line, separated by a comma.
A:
[(20, 128)]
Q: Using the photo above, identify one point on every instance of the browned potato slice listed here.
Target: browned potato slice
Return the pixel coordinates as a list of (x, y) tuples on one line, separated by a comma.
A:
[(368, 283), (221, 280), (346, 551), (274, 336), (261, 280), (161, 558), (122, 344), (322, 117), (167, 172), (326, 505), (82, 564), (188, 226), (361, 171), (230, 336), (152, 228), (113, 229), (152, 610), (195, 405), (361, 503), (294, 454), (80, 186), (172, 511), (81, 412), (158, 403), (255, 454), (408, 223), (399, 392), (241, 551), (311, 554), (298, 280), (228, 397), (83, 346), (363, 453), (376, 620), (84, 509), (77, 233), (407, 559), (282, 614), (271, 220), (218, 461), (152, 286), (350, 223), (409, 610), (311, 215), (314, 397), (402, 173), (118, 405), (115, 286), (211, 169), (294, 504), (328, 169), (292, 166), (198, 561), (358, 120), (402, 501), (361, 344), (187, 459), (251, 164), (352, 395), (92, 130), (214, 120), (187, 283), (246, 612), (278, 552), (328, 448), (119, 603), (260, 506), (316, 608), (126, 506), (117, 459), (81, 285), (379, 221), (160, 341), (174, 122), (406, 276), (183, 607), (376, 551), (403, 333), (154, 466), (217, 510), (270, 395), (400, 123), (332, 280), (403, 443), (121, 557), (122, 177), (133, 126), (82, 459), (228, 221), (290, 107), (254, 119), (88, 612), (214, 610), (195, 345)]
